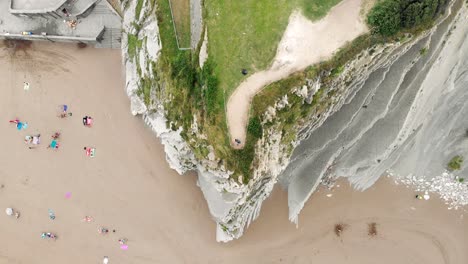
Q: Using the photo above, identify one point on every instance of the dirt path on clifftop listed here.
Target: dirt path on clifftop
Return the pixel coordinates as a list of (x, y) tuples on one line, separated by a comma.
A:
[(304, 43)]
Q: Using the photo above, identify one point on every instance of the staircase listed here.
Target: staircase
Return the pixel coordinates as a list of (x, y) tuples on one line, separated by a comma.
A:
[(111, 39)]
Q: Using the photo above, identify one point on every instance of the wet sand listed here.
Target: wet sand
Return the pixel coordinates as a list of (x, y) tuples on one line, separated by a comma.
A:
[(129, 187)]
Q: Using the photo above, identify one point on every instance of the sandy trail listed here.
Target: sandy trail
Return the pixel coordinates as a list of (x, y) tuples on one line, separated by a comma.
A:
[(304, 43), (129, 187)]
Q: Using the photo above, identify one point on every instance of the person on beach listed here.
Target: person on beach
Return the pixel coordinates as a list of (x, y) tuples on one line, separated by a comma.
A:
[(63, 115), (64, 111), (34, 140), (19, 125), (103, 230), (88, 219), (54, 144), (87, 121), (48, 235), (56, 135), (12, 212), (51, 215), (90, 152)]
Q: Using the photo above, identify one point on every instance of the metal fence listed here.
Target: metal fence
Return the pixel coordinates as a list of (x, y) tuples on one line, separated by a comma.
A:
[(175, 29)]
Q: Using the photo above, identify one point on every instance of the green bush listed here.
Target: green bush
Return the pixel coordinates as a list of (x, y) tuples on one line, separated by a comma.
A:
[(423, 51), (388, 17), (384, 17), (455, 163), (255, 127)]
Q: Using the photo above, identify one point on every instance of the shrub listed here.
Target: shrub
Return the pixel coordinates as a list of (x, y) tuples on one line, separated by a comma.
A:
[(423, 51), (385, 17), (209, 80), (388, 17), (255, 127), (455, 163)]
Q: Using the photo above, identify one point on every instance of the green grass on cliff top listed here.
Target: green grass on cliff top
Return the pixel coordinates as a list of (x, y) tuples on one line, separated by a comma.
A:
[(263, 22), (245, 34)]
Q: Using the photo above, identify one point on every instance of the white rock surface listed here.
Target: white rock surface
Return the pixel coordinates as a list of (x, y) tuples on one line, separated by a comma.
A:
[(408, 115)]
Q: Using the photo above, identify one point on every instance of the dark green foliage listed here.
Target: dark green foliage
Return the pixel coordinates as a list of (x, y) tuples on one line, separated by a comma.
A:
[(388, 17), (455, 163), (255, 127), (182, 68), (243, 158), (210, 83), (385, 17)]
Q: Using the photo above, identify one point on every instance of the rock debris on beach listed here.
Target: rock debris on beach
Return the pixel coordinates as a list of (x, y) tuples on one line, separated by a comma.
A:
[(453, 192)]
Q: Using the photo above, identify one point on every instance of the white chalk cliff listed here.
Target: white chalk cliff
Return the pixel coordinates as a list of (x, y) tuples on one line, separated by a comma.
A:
[(391, 103)]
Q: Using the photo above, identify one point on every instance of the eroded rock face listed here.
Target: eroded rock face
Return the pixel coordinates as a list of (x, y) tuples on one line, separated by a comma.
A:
[(375, 87), (407, 113)]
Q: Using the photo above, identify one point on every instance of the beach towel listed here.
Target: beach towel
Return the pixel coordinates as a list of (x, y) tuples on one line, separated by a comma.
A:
[(54, 144)]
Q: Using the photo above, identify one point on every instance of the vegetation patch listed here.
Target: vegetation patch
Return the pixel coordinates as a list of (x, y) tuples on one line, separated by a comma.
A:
[(255, 127), (138, 8), (455, 163), (388, 17), (245, 34), (423, 51), (133, 45)]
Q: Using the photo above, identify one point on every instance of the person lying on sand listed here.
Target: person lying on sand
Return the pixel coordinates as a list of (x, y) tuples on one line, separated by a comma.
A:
[(19, 125), (103, 230), (87, 219), (12, 212), (53, 144), (48, 235), (64, 113), (90, 152), (87, 121), (56, 135), (35, 140)]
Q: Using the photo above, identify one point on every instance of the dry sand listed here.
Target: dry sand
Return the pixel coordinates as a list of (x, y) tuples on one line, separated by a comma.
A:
[(129, 187), (304, 43)]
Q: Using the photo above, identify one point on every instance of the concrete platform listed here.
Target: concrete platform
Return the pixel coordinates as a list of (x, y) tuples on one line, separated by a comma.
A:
[(97, 23)]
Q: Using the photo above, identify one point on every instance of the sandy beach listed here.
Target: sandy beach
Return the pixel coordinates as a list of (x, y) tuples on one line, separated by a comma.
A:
[(129, 187)]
